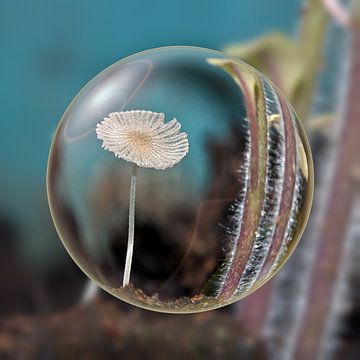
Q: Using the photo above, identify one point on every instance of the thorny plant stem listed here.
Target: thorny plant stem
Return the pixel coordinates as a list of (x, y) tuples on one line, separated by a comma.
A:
[(130, 244)]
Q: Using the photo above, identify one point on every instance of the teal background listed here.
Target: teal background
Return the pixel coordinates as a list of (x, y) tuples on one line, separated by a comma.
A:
[(50, 49)]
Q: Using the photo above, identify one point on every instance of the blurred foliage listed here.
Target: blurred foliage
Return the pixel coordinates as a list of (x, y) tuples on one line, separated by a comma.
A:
[(291, 65)]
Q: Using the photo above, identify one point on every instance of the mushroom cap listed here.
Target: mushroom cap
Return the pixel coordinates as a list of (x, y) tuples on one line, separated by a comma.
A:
[(142, 137)]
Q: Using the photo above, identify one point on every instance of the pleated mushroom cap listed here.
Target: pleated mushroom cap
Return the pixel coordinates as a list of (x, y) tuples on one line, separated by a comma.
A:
[(143, 138)]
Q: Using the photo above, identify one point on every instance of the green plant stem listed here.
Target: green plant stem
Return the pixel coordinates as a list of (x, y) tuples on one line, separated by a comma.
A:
[(355, 14), (311, 40), (130, 244)]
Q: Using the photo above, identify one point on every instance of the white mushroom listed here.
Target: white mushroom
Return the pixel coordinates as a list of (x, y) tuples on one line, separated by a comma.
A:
[(141, 137)]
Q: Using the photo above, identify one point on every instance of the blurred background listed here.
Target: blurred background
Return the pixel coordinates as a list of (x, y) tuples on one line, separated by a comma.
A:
[(50, 49)]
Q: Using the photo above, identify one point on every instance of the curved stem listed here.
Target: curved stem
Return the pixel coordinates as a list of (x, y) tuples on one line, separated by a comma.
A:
[(130, 244)]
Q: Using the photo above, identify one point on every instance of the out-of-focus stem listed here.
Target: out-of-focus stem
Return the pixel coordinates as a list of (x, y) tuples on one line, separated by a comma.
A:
[(311, 40), (130, 244), (338, 11), (345, 188), (355, 13)]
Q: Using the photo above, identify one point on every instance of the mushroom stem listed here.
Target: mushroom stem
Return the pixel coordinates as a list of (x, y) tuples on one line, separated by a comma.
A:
[(130, 244)]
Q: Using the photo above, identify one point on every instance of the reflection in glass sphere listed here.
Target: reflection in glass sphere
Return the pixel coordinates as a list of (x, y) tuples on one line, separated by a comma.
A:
[(168, 226)]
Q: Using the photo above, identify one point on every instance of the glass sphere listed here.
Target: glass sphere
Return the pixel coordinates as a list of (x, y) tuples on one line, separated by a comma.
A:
[(180, 220)]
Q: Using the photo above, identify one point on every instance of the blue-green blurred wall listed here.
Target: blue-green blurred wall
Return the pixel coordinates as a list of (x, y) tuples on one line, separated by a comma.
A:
[(50, 49)]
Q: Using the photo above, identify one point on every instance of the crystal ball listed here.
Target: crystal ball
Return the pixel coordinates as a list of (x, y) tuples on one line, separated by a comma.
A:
[(180, 179)]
